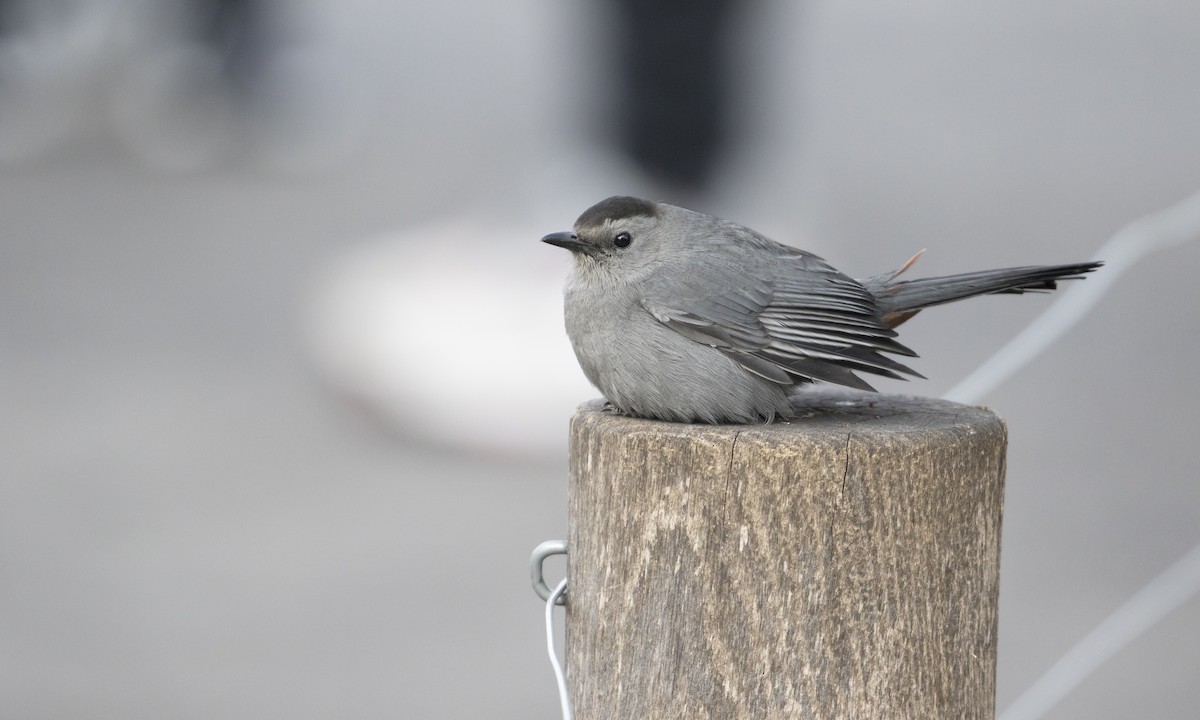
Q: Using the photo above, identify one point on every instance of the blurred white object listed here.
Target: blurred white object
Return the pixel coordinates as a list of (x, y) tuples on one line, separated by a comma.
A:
[(454, 332)]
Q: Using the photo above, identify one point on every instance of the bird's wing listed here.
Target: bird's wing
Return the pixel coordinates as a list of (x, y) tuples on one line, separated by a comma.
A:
[(797, 320)]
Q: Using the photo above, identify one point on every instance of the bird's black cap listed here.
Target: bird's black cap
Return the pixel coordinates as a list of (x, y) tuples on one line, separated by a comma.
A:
[(615, 208)]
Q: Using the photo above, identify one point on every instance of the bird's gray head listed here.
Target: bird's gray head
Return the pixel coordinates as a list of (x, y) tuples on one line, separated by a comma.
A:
[(617, 232)]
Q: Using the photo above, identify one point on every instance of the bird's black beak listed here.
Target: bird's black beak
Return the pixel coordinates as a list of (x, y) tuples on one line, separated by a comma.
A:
[(570, 241)]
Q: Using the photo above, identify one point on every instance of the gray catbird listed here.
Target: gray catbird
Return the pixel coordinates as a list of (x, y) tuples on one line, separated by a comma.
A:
[(682, 316)]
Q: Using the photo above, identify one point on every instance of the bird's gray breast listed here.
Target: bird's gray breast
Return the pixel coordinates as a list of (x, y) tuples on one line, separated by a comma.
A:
[(647, 369)]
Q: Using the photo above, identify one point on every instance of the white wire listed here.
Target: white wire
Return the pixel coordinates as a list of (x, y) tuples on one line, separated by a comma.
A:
[(1178, 583), (1172, 588), (563, 698), (1166, 228)]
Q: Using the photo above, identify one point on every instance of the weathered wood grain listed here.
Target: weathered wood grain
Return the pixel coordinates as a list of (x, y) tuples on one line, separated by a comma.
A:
[(843, 565)]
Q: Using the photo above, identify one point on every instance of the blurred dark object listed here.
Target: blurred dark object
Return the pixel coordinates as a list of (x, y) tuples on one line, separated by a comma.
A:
[(235, 31), (674, 80)]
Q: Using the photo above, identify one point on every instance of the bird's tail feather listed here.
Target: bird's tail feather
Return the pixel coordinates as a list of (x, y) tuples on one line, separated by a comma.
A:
[(901, 300)]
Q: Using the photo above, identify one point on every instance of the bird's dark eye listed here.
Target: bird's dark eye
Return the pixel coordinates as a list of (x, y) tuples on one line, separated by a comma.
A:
[(622, 240)]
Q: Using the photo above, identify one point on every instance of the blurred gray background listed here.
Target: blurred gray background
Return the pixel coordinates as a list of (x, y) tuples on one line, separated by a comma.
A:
[(283, 387)]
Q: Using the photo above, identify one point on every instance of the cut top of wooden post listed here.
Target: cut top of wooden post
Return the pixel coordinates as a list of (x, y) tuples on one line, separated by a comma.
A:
[(842, 564)]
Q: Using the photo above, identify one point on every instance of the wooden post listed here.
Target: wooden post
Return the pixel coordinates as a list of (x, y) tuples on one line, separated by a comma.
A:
[(842, 565)]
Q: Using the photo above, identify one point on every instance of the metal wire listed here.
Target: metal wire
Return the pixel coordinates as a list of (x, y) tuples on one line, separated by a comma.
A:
[(537, 559), (1172, 588), (556, 597)]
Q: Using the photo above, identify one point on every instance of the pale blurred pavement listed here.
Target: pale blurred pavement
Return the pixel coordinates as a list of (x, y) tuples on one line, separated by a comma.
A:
[(195, 523)]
